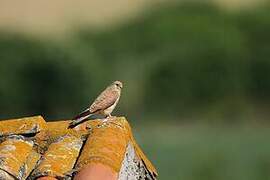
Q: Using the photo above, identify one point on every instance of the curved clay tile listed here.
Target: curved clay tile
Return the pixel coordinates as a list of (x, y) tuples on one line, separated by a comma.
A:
[(92, 150), (27, 125)]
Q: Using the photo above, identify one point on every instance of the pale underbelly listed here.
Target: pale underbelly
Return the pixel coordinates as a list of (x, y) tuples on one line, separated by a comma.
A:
[(110, 109)]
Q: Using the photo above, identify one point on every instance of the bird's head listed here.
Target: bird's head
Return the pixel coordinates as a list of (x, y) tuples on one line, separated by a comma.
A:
[(118, 84)]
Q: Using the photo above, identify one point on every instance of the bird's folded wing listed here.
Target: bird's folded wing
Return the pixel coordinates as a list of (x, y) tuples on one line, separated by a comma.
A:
[(104, 101)]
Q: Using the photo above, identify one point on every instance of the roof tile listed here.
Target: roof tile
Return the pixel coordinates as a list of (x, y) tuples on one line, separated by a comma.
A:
[(13, 155), (60, 157), (106, 144), (50, 150), (22, 125)]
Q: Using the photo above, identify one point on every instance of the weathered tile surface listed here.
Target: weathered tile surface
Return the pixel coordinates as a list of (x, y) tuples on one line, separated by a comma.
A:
[(31, 148)]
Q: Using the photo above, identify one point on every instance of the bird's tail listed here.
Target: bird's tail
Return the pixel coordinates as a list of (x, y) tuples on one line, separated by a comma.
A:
[(80, 118)]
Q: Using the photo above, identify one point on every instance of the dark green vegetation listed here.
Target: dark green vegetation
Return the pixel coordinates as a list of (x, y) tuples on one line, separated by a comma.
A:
[(194, 60)]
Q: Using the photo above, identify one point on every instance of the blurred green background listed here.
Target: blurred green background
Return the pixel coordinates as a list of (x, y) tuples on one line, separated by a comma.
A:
[(196, 82)]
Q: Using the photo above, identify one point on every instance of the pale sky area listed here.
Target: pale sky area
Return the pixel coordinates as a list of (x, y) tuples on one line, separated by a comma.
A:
[(61, 16)]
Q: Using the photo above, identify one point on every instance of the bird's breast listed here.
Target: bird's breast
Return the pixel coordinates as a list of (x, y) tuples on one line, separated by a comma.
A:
[(111, 108)]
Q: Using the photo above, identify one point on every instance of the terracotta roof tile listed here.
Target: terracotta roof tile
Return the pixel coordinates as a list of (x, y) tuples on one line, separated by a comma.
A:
[(22, 126), (31, 162), (14, 152), (31, 148), (107, 144), (60, 157)]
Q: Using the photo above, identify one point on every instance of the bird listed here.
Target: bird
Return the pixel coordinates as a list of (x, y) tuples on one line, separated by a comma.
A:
[(104, 104)]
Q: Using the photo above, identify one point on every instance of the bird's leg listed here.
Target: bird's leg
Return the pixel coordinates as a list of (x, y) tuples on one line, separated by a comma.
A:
[(104, 121), (106, 118), (109, 116), (109, 119)]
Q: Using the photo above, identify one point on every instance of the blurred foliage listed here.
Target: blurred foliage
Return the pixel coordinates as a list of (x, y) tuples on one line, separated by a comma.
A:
[(36, 78), (203, 153), (192, 61)]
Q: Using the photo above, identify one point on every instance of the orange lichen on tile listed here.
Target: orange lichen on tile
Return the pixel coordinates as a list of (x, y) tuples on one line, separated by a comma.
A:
[(60, 147), (31, 163), (138, 150), (106, 144), (61, 125), (55, 130), (55, 142), (60, 157), (13, 154), (22, 125)]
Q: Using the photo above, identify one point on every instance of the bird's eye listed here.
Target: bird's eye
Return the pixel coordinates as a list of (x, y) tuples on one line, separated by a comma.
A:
[(118, 85)]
